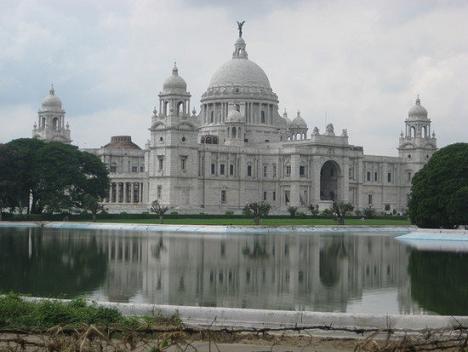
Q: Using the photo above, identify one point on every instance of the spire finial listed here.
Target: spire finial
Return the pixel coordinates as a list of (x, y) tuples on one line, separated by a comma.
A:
[(52, 90), (418, 100), (175, 70), (239, 26)]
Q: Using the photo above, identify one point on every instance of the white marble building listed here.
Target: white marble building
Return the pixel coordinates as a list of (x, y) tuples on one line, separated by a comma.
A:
[(239, 149)]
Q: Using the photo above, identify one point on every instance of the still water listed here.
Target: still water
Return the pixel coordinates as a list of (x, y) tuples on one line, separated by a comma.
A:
[(365, 273)]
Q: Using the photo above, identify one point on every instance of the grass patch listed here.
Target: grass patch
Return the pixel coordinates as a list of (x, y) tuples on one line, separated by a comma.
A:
[(17, 313)]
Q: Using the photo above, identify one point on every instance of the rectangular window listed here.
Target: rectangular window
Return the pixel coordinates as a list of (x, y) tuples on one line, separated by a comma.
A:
[(274, 170), (142, 169), (389, 177), (213, 169), (223, 196), (221, 169), (286, 197), (375, 176), (274, 196), (113, 168), (231, 170), (368, 175), (134, 168), (264, 195), (183, 163), (370, 199), (159, 193), (409, 176), (288, 171), (249, 170), (351, 173), (160, 163), (302, 171), (265, 170)]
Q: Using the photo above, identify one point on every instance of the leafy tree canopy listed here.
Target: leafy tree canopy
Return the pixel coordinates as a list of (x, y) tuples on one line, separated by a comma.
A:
[(56, 176), (439, 192)]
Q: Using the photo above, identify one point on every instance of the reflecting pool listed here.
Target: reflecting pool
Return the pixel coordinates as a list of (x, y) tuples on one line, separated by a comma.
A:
[(365, 273)]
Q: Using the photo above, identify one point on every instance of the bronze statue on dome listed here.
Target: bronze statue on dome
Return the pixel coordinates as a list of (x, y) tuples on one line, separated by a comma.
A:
[(239, 25)]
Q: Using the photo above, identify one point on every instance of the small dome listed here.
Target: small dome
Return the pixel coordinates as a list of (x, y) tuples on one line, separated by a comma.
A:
[(52, 102), (298, 122), (175, 82), (417, 111), (235, 116)]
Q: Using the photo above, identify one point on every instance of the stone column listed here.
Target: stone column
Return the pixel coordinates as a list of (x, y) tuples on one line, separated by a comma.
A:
[(345, 181), (295, 161), (315, 175)]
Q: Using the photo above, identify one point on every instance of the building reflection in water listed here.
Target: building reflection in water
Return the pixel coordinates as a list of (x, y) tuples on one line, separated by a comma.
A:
[(294, 272)]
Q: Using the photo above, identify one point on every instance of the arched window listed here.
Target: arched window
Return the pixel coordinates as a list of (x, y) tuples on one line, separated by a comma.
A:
[(262, 117), (180, 108), (234, 134), (424, 130), (413, 132), (165, 107), (43, 122), (212, 117), (55, 124)]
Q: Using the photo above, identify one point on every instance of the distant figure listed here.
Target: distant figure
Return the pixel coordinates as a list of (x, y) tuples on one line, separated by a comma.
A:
[(239, 25)]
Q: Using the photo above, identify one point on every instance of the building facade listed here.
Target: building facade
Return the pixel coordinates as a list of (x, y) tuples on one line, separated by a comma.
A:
[(240, 149)]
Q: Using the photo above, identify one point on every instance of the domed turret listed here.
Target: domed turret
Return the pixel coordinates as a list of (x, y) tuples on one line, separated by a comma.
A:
[(51, 122), (298, 128), (174, 83), (417, 111), (174, 100), (298, 122), (51, 102)]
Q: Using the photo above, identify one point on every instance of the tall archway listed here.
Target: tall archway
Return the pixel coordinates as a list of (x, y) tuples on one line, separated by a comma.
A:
[(329, 181)]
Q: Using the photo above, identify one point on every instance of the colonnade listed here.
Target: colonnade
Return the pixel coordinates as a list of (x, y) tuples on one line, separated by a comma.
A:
[(125, 192), (255, 113)]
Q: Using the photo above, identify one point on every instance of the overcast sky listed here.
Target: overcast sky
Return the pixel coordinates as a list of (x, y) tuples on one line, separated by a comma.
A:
[(357, 64)]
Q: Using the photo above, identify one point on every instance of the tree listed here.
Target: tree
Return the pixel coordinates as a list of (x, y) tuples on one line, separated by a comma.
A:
[(257, 210), (7, 178), (159, 209), (369, 212), (314, 209), (55, 176), (92, 204), (439, 191), (340, 209), (292, 211)]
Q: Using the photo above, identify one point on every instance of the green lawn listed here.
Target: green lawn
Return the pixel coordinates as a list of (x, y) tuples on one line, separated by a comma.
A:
[(267, 221)]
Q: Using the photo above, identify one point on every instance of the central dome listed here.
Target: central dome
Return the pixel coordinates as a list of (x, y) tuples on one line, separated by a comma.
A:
[(240, 72)]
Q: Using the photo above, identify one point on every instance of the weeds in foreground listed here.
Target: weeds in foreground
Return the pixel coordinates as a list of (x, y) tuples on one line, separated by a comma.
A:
[(78, 326)]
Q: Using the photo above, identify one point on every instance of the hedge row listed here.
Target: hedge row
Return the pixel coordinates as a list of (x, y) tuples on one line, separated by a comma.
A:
[(82, 217)]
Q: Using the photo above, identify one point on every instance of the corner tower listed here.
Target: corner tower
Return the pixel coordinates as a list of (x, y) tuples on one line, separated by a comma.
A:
[(51, 120), (172, 158), (417, 143)]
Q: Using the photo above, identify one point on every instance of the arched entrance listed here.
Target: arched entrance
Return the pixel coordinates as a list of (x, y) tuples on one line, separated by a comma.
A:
[(329, 181)]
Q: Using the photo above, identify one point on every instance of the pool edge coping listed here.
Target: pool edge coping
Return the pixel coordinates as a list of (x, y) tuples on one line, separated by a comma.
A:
[(209, 228), (242, 318)]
